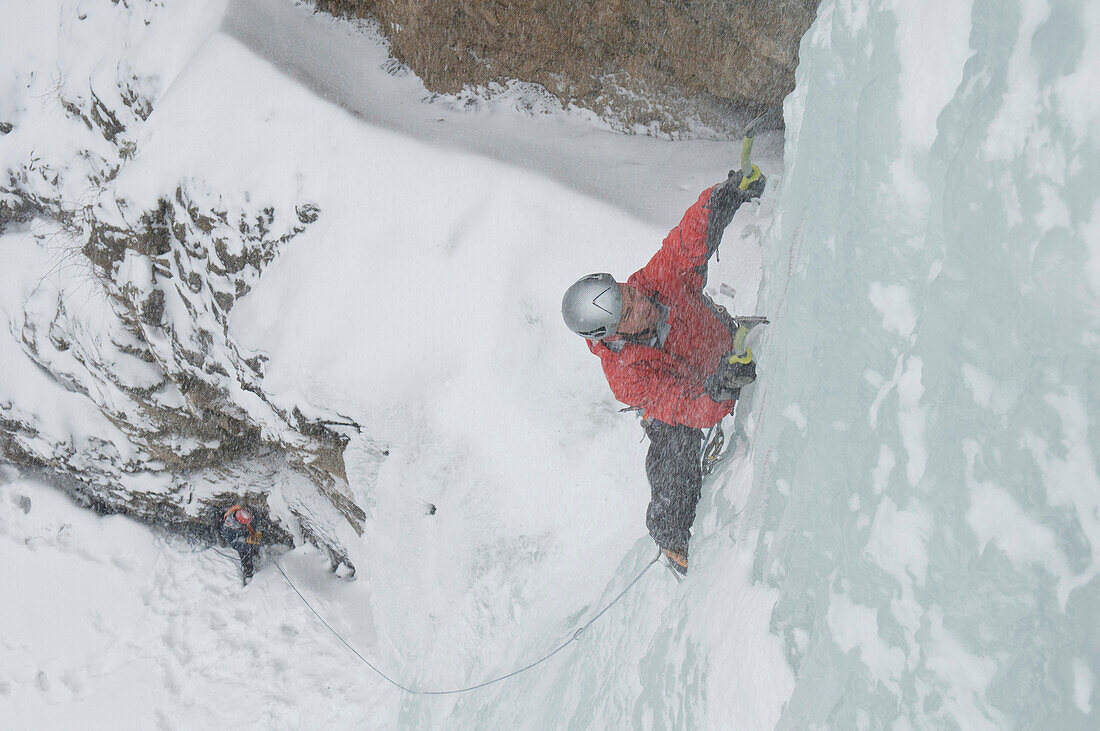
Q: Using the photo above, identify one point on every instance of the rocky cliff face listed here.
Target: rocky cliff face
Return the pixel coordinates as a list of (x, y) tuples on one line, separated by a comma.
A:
[(148, 406), (653, 64)]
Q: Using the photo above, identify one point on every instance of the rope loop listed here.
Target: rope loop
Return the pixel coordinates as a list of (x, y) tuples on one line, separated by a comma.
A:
[(416, 691)]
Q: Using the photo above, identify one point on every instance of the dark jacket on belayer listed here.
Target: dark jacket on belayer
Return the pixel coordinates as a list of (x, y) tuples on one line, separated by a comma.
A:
[(238, 531), (669, 351)]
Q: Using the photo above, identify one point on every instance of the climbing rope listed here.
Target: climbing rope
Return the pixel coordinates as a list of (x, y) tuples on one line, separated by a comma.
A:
[(573, 638)]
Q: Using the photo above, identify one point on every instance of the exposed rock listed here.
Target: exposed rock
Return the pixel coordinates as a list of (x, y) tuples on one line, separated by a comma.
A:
[(194, 423), (635, 63), (160, 414)]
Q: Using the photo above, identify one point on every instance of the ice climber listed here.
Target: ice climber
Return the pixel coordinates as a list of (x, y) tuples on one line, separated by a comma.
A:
[(664, 346), (238, 533)]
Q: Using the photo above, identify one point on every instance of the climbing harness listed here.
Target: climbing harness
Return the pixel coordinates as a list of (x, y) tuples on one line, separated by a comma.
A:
[(415, 691)]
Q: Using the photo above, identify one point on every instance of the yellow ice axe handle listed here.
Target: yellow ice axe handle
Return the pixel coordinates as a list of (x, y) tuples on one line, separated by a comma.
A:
[(746, 182), (745, 357), (746, 164), (739, 349)]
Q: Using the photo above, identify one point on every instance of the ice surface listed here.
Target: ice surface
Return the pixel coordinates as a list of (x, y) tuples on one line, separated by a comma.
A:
[(931, 280)]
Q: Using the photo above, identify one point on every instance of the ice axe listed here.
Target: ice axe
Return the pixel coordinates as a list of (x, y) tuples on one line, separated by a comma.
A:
[(741, 353), (746, 154)]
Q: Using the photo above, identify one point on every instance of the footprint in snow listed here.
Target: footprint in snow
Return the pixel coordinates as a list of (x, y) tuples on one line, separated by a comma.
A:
[(22, 502), (126, 563), (73, 680)]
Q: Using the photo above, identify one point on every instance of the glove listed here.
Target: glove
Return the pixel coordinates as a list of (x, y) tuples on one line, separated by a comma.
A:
[(725, 199), (754, 189), (727, 196), (725, 384)]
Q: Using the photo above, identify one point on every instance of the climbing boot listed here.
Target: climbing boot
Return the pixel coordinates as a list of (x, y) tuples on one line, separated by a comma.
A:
[(677, 561)]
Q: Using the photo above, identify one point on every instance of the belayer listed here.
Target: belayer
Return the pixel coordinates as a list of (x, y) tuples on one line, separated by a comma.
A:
[(237, 531), (666, 350)]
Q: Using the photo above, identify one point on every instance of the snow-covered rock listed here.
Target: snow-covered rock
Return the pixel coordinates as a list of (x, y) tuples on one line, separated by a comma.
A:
[(131, 321)]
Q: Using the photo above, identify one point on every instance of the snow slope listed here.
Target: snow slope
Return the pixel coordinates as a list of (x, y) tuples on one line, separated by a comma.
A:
[(424, 304), (106, 625)]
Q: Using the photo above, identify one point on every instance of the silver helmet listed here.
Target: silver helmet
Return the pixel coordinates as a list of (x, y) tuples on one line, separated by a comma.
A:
[(592, 306)]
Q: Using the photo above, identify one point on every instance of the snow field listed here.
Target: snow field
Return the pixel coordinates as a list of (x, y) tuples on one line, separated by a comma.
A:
[(108, 626), (423, 303)]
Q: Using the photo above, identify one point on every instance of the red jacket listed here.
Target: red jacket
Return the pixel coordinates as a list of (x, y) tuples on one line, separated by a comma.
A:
[(668, 382)]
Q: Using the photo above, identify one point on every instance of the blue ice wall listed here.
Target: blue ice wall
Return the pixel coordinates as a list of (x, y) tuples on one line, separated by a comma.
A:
[(927, 449)]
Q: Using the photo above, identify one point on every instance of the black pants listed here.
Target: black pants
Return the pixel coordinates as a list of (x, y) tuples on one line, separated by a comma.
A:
[(675, 482), (247, 551)]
